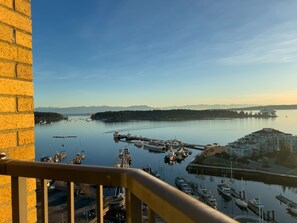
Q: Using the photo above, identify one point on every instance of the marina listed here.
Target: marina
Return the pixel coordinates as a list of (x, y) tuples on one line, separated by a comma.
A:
[(96, 138)]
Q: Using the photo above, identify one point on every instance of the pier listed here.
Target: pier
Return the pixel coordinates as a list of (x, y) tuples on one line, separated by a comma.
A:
[(128, 138), (285, 200)]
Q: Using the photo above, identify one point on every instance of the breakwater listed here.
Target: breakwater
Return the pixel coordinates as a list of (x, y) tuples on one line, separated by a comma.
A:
[(247, 174)]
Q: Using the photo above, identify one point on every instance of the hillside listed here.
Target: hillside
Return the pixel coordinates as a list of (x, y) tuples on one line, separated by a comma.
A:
[(47, 117), (167, 115)]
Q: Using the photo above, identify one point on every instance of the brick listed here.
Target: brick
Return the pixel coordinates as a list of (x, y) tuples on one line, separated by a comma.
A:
[(4, 180), (7, 104), (24, 55), (8, 140), (14, 19), (7, 3), (16, 121), (7, 210), (23, 6), (25, 137), (16, 87), (8, 51), (5, 194), (6, 33), (7, 69), (22, 153), (24, 72), (23, 39), (25, 104)]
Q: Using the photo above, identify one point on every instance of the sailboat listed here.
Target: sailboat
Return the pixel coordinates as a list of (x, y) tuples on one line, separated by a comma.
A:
[(240, 201)]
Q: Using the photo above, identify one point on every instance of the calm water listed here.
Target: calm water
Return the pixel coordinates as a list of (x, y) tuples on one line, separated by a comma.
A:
[(96, 139)]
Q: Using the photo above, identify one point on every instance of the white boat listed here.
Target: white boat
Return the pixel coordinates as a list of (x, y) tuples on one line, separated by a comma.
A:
[(211, 201), (241, 203), (138, 143), (256, 203), (225, 189), (154, 146), (202, 191)]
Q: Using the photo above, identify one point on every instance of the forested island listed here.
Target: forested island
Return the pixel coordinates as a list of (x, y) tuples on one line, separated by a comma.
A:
[(169, 115), (47, 117)]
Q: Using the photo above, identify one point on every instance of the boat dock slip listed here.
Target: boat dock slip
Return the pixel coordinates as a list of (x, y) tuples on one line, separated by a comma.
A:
[(285, 200)]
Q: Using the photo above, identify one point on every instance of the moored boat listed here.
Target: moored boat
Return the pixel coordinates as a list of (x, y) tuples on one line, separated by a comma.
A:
[(224, 189), (256, 206), (241, 203), (211, 200), (138, 143), (155, 146), (292, 209)]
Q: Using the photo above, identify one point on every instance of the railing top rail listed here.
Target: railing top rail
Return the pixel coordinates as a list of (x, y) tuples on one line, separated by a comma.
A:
[(169, 203)]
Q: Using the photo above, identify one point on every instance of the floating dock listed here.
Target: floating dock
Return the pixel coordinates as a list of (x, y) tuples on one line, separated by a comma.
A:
[(285, 200), (128, 138)]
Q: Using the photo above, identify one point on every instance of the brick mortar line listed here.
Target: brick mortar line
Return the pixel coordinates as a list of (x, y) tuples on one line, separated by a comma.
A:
[(16, 130), (15, 78), (13, 61), (15, 28), (15, 44), (16, 11), (17, 113)]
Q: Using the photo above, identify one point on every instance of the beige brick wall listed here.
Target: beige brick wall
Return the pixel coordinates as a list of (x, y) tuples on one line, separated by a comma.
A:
[(16, 97)]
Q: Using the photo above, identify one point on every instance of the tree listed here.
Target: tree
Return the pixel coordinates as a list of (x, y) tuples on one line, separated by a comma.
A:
[(284, 152)]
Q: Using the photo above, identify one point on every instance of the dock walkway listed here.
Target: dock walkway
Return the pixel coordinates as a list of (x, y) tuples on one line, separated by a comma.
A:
[(129, 137), (285, 200)]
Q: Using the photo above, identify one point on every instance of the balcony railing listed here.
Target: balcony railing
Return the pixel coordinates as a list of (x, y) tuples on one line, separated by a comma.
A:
[(162, 199)]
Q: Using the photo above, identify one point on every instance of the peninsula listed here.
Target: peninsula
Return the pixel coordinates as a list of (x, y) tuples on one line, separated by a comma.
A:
[(47, 117), (172, 115)]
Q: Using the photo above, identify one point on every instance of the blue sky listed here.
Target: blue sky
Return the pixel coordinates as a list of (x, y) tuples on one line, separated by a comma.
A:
[(164, 52)]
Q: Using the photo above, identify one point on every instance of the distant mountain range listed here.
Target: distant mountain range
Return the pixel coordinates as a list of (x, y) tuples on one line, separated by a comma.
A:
[(88, 110)]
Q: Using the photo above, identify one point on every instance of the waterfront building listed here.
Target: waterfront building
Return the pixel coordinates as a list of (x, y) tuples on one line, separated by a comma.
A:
[(260, 143), (269, 112)]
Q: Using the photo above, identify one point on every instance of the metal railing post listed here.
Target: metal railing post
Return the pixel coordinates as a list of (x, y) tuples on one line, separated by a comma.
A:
[(19, 199), (99, 207), (44, 201), (70, 202), (133, 208)]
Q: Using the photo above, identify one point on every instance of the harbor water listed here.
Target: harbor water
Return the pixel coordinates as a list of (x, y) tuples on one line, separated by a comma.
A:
[(96, 139)]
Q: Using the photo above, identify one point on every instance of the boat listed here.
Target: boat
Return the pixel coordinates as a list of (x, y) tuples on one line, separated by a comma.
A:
[(224, 189), (116, 134), (173, 143), (149, 170), (138, 143), (211, 200), (292, 209), (170, 157), (256, 205), (241, 203), (202, 191), (183, 185), (155, 146)]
